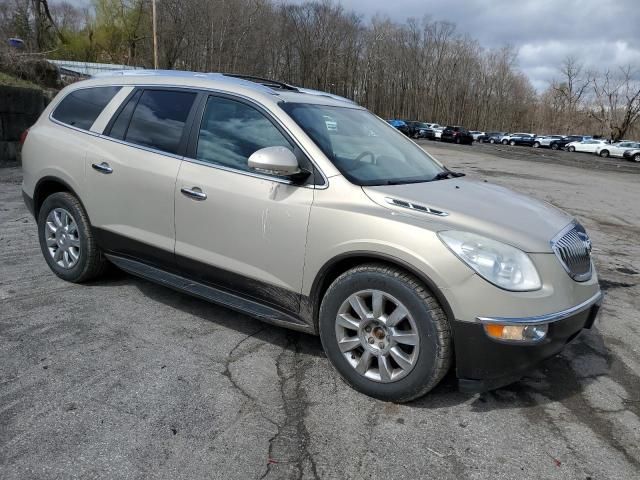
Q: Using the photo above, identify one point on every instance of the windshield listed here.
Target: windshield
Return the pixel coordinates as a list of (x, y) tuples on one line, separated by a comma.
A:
[(365, 149)]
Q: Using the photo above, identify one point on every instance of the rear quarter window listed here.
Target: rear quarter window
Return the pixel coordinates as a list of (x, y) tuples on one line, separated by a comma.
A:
[(80, 108)]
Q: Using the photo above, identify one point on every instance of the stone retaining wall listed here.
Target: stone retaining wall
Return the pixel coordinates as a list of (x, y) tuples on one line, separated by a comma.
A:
[(19, 109)]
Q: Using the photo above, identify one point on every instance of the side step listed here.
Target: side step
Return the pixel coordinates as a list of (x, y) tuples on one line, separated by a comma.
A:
[(211, 294)]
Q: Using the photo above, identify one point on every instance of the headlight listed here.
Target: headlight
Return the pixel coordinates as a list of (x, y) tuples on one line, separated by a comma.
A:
[(501, 264)]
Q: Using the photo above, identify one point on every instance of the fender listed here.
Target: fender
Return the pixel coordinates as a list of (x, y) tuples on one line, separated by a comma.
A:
[(340, 263)]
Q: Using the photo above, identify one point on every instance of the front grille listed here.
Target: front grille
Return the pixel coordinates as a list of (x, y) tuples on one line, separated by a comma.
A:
[(573, 248)]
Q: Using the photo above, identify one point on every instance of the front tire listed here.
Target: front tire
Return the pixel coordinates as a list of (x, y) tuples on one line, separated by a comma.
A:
[(636, 157), (604, 153), (505, 142), (512, 143), (492, 141), (66, 240), (536, 144), (554, 146), (385, 333), (572, 149)]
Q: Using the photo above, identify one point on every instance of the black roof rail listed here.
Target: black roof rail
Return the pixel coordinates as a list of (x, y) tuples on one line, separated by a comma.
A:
[(263, 81)]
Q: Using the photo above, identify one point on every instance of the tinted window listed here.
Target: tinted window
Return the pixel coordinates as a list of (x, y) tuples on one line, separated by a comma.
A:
[(119, 127), (231, 131), (81, 107), (159, 118)]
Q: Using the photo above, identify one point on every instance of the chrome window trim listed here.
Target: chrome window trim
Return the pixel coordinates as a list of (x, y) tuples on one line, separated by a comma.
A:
[(547, 318), (141, 147), (245, 172), (321, 186)]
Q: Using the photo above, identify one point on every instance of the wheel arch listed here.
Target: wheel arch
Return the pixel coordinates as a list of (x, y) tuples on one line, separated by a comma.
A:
[(339, 264), (47, 186)]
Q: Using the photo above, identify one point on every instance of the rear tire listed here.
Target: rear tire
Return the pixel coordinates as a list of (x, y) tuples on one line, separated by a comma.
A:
[(512, 143), (366, 344), (505, 142), (636, 157), (536, 144), (492, 141), (554, 146), (66, 240), (604, 153)]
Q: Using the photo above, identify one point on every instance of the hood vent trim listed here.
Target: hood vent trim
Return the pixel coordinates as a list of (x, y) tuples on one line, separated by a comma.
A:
[(416, 207)]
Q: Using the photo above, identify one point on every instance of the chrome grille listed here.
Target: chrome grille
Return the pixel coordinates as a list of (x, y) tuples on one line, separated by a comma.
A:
[(572, 246)]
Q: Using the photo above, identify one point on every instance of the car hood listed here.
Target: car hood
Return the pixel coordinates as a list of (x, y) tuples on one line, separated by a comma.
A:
[(480, 207)]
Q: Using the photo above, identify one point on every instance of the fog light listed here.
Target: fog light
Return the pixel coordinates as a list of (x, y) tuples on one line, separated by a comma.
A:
[(518, 333)]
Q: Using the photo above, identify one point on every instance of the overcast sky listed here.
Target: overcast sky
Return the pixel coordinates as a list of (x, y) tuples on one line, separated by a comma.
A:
[(600, 33)]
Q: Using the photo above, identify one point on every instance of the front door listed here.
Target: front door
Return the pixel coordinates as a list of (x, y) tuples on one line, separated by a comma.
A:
[(237, 229)]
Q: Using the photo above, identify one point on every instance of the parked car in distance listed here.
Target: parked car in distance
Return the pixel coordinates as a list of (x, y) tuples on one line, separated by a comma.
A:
[(507, 137), (492, 137), (418, 129), (456, 134), (522, 139), (401, 125), (586, 146), (545, 140), (616, 149), (633, 154), (437, 132), (562, 142), (400, 265), (476, 134)]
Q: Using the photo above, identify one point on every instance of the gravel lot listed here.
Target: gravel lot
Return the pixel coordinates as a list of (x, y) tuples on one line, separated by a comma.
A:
[(122, 378)]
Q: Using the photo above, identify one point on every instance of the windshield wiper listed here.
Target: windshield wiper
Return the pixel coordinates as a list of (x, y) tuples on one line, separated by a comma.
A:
[(448, 174)]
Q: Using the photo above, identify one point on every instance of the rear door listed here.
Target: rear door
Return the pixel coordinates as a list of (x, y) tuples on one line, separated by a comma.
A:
[(131, 174), (235, 228)]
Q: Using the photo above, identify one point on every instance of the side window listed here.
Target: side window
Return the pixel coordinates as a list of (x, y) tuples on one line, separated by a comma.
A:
[(121, 124), (81, 107), (159, 118), (231, 131)]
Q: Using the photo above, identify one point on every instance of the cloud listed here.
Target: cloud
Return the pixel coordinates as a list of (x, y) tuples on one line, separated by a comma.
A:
[(599, 34)]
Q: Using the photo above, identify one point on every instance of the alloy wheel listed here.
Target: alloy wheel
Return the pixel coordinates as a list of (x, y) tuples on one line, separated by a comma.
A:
[(377, 336), (62, 237)]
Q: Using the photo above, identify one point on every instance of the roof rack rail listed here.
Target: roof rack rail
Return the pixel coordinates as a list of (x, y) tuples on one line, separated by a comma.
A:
[(263, 81), (320, 93)]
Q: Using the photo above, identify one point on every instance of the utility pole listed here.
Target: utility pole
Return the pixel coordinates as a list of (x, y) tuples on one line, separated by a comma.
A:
[(155, 35)]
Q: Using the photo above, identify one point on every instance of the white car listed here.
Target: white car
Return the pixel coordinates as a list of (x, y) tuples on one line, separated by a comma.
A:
[(506, 138), (588, 146), (545, 140), (438, 131), (616, 149), (475, 134)]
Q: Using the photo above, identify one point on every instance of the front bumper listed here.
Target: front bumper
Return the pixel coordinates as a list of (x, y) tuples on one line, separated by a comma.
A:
[(485, 364)]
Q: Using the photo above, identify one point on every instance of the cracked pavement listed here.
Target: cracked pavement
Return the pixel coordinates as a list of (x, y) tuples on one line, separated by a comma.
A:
[(121, 378)]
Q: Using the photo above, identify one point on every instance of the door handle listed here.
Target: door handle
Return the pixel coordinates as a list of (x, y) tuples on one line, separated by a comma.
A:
[(196, 193), (102, 167)]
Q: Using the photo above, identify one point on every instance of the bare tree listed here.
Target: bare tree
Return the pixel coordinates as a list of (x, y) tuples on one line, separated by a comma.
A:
[(617, 102)]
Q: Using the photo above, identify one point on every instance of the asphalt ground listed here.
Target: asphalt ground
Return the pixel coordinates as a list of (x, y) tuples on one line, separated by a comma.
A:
[(121, 378)]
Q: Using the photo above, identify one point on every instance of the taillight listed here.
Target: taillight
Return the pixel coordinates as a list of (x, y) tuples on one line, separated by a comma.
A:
[(23, 136)]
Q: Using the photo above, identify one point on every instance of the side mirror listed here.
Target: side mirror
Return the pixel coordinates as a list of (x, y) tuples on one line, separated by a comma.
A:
[(276, 161)]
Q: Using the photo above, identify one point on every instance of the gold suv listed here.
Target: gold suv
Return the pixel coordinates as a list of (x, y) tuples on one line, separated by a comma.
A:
[(304, 210)]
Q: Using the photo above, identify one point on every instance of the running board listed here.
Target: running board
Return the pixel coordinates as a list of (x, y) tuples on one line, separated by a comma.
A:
[(211, 294)]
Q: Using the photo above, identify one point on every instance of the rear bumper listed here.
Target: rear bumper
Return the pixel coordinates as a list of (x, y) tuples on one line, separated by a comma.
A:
[(485, 364)]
